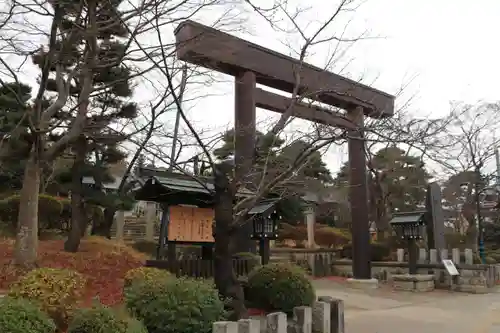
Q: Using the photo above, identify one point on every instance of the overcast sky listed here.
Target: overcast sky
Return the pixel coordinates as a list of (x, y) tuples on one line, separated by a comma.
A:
[(443, 50)]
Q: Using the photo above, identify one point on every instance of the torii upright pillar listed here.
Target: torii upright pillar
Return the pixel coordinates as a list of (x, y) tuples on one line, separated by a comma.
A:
[(358, 197), (244, 143)]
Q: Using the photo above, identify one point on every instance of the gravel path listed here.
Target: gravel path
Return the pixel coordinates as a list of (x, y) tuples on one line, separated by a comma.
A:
[(385, 311)]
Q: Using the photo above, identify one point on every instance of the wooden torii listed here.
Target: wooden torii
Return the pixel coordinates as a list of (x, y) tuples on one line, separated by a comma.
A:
[(251, 64)]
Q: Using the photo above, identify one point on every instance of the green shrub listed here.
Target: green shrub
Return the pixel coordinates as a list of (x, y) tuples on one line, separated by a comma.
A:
[(21, 316), (279, 287), (490, 260), (135, 326), (57, 291), (101, 319), (145, 274), (175, 306), (494, 255)]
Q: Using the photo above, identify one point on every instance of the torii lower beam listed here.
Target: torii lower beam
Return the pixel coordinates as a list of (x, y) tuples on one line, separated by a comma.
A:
[(251, 64), (277, 103)]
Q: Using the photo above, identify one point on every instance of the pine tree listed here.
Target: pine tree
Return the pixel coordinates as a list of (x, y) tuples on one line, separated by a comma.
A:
[(396, 181), (14, 138), (97, 144), (271, 157)]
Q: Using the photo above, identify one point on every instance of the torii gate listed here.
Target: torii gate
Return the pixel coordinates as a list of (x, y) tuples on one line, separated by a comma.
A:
[(251, 64)]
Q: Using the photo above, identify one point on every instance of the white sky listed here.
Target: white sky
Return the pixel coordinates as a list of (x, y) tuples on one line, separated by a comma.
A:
[(447, 49)]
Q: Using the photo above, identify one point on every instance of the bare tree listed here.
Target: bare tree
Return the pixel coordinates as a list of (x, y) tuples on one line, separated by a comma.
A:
[(414, 137), (472, 137)]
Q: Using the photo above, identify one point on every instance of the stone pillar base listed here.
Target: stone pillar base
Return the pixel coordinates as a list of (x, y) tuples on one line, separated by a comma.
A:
[(363, 284), (416, 283)]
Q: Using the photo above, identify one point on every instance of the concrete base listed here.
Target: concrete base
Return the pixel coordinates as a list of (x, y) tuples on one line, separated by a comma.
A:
[(416, 283), (363, 283)]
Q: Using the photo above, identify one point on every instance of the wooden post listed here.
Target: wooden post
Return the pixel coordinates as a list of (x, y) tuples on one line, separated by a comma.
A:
[(244, 145), (310, 222), (120, 224), (400, 255), (163, 239), (244, 123), (412, 256), (264, 251), (358, 197), (150, 220)]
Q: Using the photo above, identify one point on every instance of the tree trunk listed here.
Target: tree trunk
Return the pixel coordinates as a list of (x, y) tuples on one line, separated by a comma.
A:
[(104, 229), (78, 220), (25, 252), (228, 285)]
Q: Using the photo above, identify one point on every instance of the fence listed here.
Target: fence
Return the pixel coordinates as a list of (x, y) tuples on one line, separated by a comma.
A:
[(318, 262), (200, 268), (325, 316)]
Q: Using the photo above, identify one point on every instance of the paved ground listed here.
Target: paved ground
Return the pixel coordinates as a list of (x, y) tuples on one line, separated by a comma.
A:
[(384, 311)]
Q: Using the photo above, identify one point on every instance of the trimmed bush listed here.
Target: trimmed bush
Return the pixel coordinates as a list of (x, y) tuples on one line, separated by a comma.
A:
[(49, 211), (21, 316), (379, 251), (145, 274), (101, 319), (279, 287), (57, 291), (331, 237), (103, 262), (176, 305), (297, 233)]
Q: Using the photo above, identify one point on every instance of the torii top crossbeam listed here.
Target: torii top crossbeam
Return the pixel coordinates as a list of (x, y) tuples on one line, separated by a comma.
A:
[(211, 48)]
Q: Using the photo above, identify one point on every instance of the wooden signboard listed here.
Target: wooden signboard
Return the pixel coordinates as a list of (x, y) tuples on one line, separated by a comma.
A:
[(190, 224)]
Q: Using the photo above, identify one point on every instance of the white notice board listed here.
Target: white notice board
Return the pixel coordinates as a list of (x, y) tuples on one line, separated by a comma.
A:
[(450, 267)]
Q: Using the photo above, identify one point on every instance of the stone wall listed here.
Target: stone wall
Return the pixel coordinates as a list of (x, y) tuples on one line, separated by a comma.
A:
[(473, 278)]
